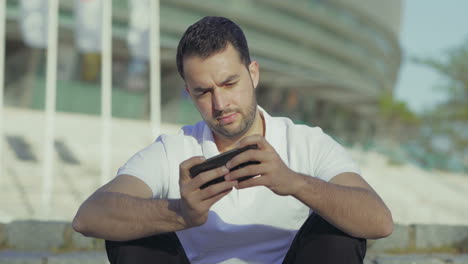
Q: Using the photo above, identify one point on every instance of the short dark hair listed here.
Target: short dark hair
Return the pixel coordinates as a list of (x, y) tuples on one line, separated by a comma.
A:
[(211, 35)]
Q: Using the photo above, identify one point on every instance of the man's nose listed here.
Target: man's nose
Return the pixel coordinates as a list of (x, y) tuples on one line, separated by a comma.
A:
[(219, 100)]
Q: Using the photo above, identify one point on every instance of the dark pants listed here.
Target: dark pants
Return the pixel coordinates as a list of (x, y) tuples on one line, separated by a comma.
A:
[(316, 242)]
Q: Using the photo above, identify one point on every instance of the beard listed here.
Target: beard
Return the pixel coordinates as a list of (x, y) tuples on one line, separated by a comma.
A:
[(247, 117)]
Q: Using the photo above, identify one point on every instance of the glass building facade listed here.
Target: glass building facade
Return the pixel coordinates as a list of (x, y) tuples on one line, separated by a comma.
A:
[(323, 63)]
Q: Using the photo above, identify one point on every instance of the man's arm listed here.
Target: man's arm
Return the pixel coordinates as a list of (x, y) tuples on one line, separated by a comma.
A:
[(347, 201), (124, 209)]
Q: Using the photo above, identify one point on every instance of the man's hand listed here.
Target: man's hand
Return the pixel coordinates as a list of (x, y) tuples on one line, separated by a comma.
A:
[(195, 202), (272, 171)]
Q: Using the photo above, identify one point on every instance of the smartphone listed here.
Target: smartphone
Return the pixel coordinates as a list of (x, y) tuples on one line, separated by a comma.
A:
[(220, 160)]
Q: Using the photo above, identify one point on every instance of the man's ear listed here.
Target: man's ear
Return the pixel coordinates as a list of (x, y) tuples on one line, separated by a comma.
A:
[(254, 73)]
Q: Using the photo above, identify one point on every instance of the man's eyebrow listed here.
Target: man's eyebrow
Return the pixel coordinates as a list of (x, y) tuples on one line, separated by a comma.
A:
[(199, 89), (230, 78)]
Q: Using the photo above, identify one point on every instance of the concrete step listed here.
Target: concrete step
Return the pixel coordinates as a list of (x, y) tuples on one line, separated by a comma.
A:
[(44, 257), (417, 259)]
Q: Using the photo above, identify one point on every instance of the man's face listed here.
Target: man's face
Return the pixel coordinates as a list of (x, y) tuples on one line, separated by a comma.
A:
[(223, 90)]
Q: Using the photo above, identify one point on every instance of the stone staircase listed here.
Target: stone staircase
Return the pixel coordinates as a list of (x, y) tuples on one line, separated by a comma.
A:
[(44, 241), (47, 242)]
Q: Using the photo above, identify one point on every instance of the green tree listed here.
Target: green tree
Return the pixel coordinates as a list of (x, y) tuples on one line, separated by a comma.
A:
[(396, 111), (450, 118), (455, 70)]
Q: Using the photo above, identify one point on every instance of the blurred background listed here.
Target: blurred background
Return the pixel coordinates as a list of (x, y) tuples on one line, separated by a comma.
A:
[(387, 79)]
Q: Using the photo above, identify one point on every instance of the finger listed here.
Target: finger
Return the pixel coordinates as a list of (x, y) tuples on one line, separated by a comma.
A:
[(184, 167), (216, 189), (209, 202), (241, 158), (249, 155), (210, 175), (259, 140), (246, 171), (256, 181)]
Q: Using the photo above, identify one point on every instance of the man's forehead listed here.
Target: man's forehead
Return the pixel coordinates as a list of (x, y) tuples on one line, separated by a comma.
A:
[(207, 81), (197, 71)]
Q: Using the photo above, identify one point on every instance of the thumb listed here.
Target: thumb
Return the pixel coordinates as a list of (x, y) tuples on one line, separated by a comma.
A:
[(184, 167)]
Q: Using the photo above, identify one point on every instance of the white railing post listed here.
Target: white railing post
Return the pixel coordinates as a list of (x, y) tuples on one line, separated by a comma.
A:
[(2, 82), (155, 69), (106, 90), (51, 85)]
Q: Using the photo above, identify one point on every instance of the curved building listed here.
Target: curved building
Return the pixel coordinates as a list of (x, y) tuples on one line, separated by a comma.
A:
[(322, 62)]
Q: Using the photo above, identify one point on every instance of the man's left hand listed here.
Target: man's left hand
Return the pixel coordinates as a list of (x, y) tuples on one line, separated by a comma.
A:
[(272, 172)]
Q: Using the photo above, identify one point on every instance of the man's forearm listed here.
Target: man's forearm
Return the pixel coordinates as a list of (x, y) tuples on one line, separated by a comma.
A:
[(355, 210), (120, 217)]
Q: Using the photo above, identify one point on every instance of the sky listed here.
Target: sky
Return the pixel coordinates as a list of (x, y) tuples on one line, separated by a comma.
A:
[(429, 28)]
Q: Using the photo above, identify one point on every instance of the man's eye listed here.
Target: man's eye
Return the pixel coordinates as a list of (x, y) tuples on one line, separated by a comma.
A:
[(202, 93), (230, 84)]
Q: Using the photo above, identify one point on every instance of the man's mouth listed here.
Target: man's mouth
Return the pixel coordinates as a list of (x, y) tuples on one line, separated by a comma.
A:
[(227, 119)]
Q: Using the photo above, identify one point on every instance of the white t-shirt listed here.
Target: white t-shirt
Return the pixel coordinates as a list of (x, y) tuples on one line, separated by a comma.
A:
[(251, 225)]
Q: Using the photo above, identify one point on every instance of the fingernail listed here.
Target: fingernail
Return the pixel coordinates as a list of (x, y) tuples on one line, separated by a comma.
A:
[(225, 170), (228, 165), (227, 177)]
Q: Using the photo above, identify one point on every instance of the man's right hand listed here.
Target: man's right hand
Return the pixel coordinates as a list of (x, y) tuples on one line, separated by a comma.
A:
[(195, 202)]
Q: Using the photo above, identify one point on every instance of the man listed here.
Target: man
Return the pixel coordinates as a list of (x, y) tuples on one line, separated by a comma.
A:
[(305, 181)]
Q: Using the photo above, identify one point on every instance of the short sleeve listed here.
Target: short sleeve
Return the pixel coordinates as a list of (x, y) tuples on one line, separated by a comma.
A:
[(150, 165), (331, 159)]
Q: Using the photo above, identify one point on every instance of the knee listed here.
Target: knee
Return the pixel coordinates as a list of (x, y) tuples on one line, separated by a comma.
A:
[(320, 241), (335, 243), (331, 248), (163, 247)]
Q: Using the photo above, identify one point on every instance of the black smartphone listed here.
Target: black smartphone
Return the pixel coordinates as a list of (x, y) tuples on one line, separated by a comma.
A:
[(220, 160)]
